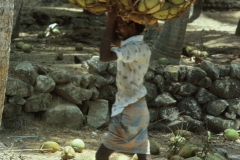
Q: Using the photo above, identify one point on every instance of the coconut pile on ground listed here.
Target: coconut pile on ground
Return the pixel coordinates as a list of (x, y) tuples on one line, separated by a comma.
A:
[(140, 11)]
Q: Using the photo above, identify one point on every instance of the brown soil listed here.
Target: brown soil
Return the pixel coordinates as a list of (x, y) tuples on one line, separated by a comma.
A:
[(214, 30)]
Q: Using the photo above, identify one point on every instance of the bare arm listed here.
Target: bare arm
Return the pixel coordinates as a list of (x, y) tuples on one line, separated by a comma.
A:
[(109, 37)]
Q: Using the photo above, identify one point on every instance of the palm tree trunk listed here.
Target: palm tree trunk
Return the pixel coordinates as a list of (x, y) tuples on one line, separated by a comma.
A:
[(16, 18), (237, 33), (170, 40), (6, 20)]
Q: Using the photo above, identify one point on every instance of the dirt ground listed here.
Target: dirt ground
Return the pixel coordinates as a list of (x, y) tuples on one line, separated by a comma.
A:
[(214, 30)]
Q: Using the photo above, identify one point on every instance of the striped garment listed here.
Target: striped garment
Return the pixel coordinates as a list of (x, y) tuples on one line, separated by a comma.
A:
[(128, 130)]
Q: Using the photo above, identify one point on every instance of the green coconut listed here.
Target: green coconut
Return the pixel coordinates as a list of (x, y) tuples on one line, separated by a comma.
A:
[(41, 34), (19, 45), (194, 158), (188, 150), (122, 157), (176, 141), (50, 146), (26, 48), (91, 157), (176, 157), (79, 47), (154, 147), (78, 145), (163, 61), (55, 31), (231, 134)]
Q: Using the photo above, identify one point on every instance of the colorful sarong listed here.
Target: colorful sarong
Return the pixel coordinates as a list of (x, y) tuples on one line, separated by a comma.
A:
[(128, 130)]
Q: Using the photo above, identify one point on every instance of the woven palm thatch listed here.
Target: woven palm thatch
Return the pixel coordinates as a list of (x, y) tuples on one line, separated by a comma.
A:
[(140, 11)]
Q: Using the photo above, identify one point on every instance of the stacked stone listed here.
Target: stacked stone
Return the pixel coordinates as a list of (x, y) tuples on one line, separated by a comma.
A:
[(180, 96)]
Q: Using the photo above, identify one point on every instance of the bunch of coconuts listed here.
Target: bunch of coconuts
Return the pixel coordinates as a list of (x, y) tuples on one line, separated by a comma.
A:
[(25, 47), (68, 152), (140, 11)]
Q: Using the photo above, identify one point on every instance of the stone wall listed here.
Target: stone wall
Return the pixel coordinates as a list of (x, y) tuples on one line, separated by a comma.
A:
[(221, 4), (178, 96)]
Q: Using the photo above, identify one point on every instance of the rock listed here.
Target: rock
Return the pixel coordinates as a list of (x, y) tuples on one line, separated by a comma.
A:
[(159, 81), (195, 74), (96, 66), (18, 122), (98, 113), (65, 114), (17, 87), (218, 124), (17, 100), (37, 102), (203, 96), (169, 113), (226, 88), (211, 69), (60, 77), (171, 72), (224, 70), (26, 72), (149, 75), (206, 82), (156, 67), (235, 71), (187, 89), (190, 106), (234, 106), (171, 86), (185, 122), (151, 91), (112, 68), (164, 99), (72, 93), (83, 80), (44, 84), (108, 93), (216, 107), (11, 110)]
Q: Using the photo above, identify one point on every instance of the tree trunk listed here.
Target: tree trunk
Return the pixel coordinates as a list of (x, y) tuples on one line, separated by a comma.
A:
[(170, 40), (16, 18), (6, 20), (237, 33), (197, 10)]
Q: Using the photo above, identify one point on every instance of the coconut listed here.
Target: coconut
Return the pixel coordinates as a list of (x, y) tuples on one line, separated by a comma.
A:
[(78, 145), (19, 45), (176, 141), (176, 157), (135, 157), (154, 147), (68, 153), (91, 157), (50, 146), (188, 150), (163, 61), (79, 47), (122, 157), (26, 48), (59, 56), (183, 133), (55, 31), (140, 11), (41, 34), (231, 134), (194, 158)]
